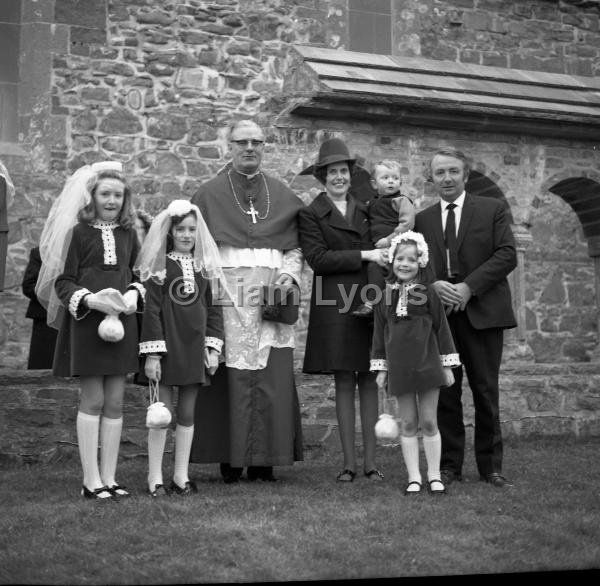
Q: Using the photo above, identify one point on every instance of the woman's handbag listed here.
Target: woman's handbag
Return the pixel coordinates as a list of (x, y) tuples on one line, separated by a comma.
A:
[(281, 303), (157, 416)]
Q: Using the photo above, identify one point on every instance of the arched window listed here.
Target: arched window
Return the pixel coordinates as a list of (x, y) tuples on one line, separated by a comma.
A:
[(583, 195), (479, 184)]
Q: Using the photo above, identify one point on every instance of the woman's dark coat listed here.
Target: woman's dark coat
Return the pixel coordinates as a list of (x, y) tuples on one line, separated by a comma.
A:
[(331, 245)]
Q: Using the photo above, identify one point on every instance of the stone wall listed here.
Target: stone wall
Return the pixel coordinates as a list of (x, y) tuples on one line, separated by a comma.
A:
[(154, 84), (39, 411), (555, 36), (561, 315)]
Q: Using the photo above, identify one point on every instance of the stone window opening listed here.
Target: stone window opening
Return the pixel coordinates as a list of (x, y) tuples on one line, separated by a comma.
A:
[(583, 196), (480, 184), (10, 36), (370, 26)]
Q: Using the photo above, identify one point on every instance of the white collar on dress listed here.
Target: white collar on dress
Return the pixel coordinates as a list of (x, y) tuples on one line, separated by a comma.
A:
[(173, 255), (104, 224)]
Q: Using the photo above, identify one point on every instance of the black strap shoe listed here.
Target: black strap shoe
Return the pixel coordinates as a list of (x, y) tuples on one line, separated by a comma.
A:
[(119, 491), (189, 488), (408, 492), (159, 491), (100, 494)]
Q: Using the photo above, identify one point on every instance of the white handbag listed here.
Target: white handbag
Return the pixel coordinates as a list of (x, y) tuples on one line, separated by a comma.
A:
[(111, 329), (386, 426), (157, 415)]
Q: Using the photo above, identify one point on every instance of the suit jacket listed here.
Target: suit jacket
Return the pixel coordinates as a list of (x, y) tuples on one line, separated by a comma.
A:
[(35, 310), (486, 255)]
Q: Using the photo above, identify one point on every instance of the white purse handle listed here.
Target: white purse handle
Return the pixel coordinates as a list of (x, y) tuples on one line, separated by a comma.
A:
[(153, 388)]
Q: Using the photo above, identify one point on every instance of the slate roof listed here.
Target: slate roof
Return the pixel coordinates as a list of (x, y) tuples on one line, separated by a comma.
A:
[(447, 94)]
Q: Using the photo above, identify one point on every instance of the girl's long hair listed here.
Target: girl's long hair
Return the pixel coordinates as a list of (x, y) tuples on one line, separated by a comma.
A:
[(125, 217), (175, 221)]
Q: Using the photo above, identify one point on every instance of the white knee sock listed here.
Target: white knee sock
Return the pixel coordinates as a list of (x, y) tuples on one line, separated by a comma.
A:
[(110, 442), (432, 445), (183, 447), (156, 448), (87, 439), (410, 451)]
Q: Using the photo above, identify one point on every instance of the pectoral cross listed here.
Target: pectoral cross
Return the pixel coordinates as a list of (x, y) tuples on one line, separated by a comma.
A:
[(252, 212)]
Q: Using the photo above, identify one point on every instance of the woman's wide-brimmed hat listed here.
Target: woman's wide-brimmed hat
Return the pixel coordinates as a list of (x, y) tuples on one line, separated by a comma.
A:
[(332, 150)]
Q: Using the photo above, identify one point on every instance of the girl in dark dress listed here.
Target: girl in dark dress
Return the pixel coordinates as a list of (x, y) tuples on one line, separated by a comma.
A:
[(182, 330), (413, 353), (335, 240), (43, 337), (88, 248)]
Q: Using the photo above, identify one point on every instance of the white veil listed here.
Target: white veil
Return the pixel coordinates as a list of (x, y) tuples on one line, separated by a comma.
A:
[(58, 229), (151, 261), (10, 188)]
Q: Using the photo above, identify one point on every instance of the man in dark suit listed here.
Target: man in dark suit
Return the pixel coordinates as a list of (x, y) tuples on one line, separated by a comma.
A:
[(472, 250)]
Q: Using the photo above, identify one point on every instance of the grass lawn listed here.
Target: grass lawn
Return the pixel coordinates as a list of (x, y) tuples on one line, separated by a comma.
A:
[(306, 526)]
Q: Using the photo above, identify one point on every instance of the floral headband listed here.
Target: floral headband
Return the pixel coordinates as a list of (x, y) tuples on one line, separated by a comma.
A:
[(179, 207), (410, 236)]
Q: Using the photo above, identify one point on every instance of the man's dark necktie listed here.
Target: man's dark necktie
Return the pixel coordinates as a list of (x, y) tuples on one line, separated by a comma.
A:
[(450, 241)]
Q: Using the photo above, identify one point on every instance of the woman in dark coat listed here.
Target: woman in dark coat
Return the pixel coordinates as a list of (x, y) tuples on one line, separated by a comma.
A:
[(335, 240), (43, 337)]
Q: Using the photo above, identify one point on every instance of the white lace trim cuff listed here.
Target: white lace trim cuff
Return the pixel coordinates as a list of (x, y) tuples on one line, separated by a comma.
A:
[(75, 302), (108, 241), (215, 343), (450, 359), (378, 364), (140, 289), (153, 346)]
